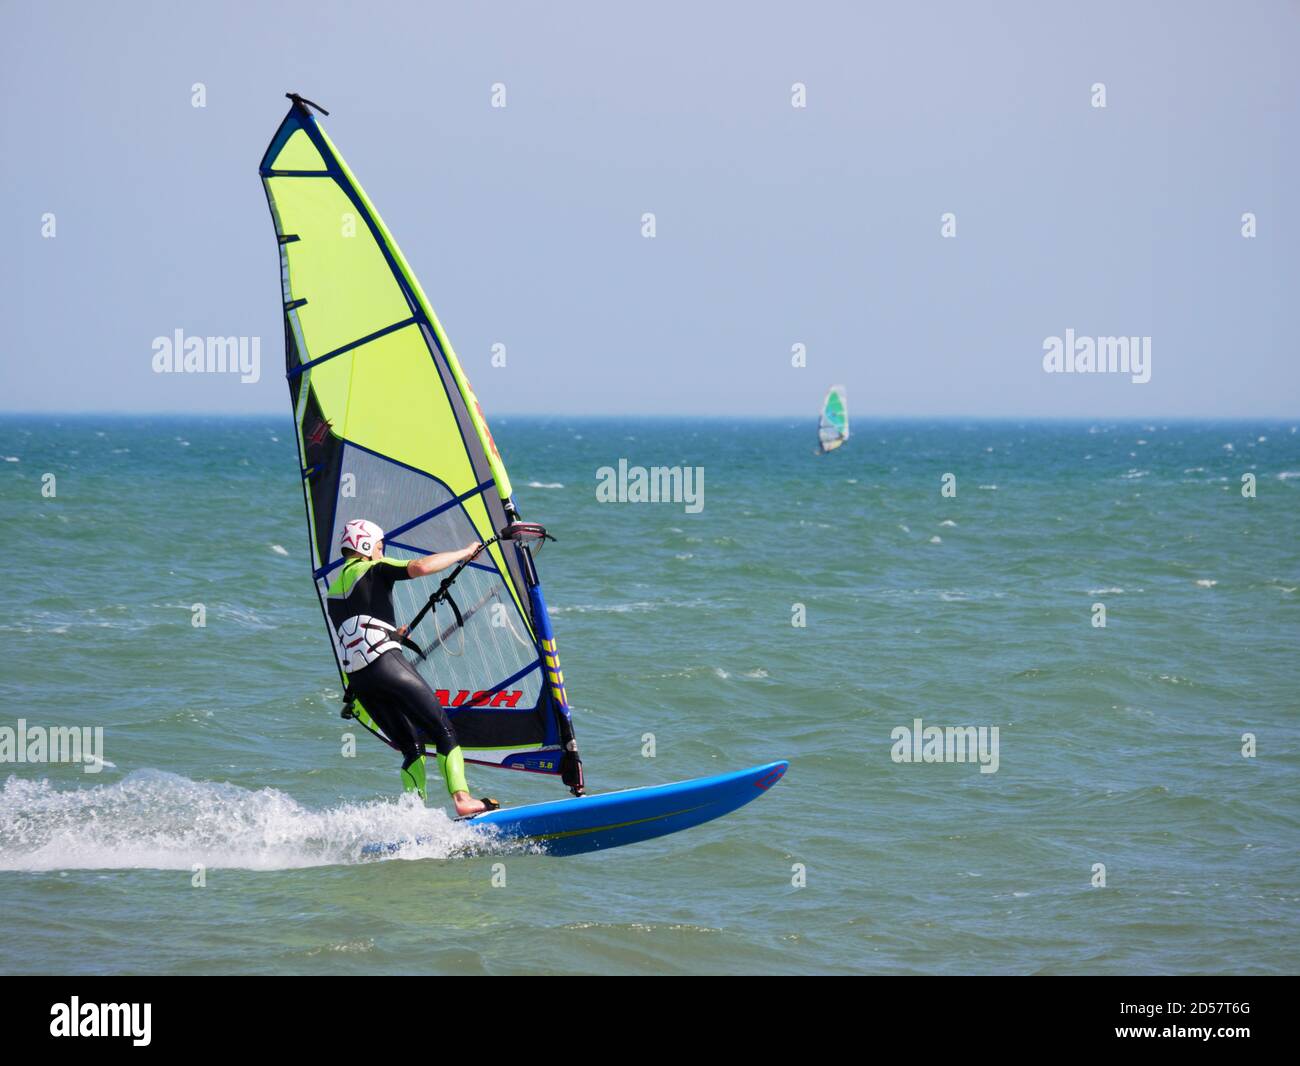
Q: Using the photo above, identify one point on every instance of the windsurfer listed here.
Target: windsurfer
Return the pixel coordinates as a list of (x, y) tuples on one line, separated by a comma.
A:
[(360, 604)]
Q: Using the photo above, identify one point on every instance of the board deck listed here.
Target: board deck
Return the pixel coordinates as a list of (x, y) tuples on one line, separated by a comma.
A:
[(610, 820)]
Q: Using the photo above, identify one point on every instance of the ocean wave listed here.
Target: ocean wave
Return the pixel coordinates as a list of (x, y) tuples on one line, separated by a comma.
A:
[(163, 821)]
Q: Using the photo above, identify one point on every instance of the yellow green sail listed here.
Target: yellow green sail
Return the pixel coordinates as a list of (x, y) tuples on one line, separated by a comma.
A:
[(390, 430)]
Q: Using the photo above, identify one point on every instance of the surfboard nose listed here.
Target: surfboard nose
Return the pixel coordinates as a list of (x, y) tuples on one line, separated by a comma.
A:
[(770, 774)]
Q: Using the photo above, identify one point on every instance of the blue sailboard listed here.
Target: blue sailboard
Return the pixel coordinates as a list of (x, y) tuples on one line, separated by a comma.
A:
[(598, 823)]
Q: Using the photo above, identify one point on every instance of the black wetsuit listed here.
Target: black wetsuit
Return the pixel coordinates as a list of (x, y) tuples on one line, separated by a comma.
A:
[(403, 706), (393, 693)]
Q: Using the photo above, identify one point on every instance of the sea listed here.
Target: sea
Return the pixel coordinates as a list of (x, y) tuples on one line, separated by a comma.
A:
[(1109, 612)]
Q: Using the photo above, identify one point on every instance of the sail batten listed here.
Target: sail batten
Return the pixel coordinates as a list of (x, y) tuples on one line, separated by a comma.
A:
[(389, 429)]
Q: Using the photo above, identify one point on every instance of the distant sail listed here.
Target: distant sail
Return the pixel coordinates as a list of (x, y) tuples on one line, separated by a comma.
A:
[(390, 430), (833, 427)]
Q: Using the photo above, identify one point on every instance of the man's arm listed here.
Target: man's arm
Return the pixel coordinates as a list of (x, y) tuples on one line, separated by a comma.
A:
[(431, 564)]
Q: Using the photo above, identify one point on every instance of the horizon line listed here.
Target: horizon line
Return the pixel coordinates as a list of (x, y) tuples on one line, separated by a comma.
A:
[(730, 417)]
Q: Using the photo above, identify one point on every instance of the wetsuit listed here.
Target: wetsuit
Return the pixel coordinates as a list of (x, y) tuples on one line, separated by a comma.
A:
[(360, 604)]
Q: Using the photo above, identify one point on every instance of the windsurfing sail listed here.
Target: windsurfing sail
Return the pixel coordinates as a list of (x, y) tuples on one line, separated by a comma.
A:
[(833, 427), (389, 430)]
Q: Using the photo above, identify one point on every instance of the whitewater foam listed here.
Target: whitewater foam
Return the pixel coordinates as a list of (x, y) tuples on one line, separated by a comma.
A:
[(163, 821)]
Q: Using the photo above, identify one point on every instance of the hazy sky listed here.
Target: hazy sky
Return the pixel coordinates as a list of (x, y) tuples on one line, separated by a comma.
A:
[(776, 225)]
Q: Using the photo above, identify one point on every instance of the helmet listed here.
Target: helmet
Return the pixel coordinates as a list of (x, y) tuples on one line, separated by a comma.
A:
[(361, 536)]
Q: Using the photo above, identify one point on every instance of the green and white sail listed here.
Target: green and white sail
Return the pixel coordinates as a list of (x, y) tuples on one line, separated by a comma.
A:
[(833, 426), (389, 430)]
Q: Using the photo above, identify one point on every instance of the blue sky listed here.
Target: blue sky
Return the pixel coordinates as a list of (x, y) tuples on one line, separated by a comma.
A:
[(775, 225)]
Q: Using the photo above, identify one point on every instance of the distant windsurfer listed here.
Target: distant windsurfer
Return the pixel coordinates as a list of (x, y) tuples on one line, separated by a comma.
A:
[(360, 603)]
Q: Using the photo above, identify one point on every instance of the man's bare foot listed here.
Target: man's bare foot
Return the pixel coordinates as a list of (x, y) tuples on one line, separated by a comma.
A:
[(467, 804)]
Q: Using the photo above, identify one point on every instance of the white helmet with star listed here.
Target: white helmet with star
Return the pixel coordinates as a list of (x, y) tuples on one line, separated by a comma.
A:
[(361, 536)]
